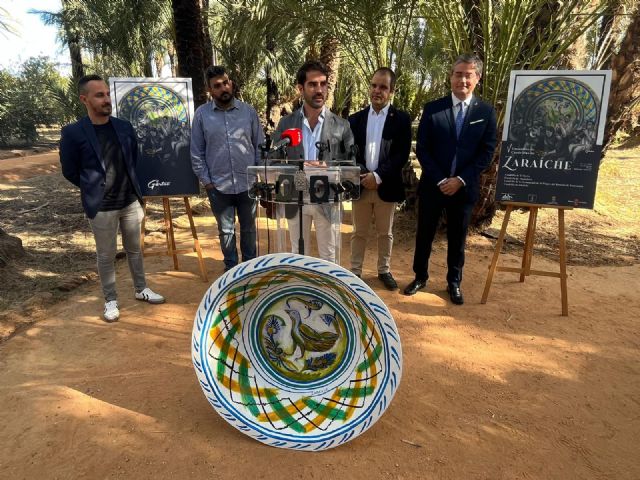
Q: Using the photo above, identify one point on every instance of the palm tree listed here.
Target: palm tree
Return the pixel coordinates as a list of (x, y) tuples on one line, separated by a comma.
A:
[(206, 33), (69, 21), (372, 34), (6, 23), (187, 19), (258, 43), (624, 101)]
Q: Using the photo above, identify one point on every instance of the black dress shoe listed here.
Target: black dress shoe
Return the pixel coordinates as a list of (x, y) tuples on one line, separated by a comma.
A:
[(414, 286), (388, 281), (455, 294)]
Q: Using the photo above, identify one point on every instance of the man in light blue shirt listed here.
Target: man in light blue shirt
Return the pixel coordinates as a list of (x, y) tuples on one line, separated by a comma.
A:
[(225, 137)]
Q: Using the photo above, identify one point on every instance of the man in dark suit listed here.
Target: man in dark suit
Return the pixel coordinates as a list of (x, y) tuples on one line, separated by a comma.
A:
[(98, 154), (383, 136), (319, 126), (455, 143)]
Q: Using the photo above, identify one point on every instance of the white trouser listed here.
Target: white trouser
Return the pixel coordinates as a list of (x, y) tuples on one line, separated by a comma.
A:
[(325, 232)]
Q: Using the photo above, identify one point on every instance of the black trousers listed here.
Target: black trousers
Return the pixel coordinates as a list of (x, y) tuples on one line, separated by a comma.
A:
[(432, 202)]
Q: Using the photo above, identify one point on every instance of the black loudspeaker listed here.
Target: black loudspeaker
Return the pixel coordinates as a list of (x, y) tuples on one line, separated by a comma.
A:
[(319, 189), (285, 191)]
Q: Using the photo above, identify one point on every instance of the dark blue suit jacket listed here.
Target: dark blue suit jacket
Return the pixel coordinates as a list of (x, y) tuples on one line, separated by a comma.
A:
[(437, 143), (394, 150), (82, 163)]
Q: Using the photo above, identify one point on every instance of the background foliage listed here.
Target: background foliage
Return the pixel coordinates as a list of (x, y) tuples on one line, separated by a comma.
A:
[(27, 100), (262, 43)]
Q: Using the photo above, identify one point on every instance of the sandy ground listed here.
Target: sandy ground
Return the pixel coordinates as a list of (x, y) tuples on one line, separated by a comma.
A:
[(506, 390)]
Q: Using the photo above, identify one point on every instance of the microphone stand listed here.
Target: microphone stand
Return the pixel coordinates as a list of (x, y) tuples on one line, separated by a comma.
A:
[(264, 156), (300, 204)]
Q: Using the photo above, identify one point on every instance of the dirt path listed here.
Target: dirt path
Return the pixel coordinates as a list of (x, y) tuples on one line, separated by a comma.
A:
[(502, 391), (21, 168), (507, 390)]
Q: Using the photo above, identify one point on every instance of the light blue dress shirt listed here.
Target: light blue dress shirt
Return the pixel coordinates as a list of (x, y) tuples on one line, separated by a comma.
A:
[(311, 137), (224, 143)]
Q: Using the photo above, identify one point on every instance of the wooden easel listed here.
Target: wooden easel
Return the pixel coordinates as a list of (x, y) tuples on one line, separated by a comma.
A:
[(525, 268), (170, 236)]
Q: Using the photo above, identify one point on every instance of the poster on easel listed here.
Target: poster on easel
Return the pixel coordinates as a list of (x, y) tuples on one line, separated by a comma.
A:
[(161, 112), (553, 137)]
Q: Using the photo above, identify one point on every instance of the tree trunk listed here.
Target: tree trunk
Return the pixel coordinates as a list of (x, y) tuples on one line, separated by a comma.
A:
[(206, 35), (346, 109), (475, 25), (485, 207), (171, 51), (624, 100), (147, 66), (188, 25), (273, 95), (73, 42), (330, 56), (544, 21), (158, 61), (576, 56), (75, 52)]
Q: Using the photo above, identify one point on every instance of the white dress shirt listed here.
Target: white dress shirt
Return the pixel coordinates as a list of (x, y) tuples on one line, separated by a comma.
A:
[(375, 125)]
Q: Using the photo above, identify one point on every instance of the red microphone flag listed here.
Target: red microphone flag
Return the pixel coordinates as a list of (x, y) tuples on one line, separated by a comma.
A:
[(294, 135)]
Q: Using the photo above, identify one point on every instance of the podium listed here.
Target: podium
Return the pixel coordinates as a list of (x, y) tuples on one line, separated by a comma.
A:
[(303, 190)]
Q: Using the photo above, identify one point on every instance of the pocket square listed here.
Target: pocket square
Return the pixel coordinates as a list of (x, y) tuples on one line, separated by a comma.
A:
[(476, 121)]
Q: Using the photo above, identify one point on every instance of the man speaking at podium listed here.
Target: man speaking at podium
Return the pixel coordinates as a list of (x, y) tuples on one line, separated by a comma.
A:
[(224, 141), (319, 127)]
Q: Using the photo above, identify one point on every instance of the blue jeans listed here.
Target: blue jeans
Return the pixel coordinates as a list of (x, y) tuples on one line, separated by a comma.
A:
[(225, 206)]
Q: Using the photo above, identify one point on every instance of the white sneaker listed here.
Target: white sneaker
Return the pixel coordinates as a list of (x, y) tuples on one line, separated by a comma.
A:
[(111, 311), (148, 295)]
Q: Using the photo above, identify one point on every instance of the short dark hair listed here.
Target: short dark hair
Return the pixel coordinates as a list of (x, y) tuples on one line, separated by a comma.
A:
[(215, 71), (391, 73), (82, 83), (309, 66), (471, 58)]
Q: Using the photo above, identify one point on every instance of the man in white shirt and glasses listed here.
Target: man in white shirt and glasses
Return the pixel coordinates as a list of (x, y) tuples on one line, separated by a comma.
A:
[(383, 136)]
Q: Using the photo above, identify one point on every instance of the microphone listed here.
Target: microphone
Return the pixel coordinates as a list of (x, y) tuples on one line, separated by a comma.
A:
[(323, 147), (353, 151), (290, 137)]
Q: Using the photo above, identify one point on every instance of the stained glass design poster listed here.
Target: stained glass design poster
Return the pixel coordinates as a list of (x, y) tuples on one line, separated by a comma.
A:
[(161, 112), (553, 135)]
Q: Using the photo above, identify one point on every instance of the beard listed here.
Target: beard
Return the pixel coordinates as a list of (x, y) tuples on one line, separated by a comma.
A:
[(106, 110), (225, 98), (316, 101)]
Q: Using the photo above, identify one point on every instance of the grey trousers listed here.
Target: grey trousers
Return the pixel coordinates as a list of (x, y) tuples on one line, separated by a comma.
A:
[(105, 231)]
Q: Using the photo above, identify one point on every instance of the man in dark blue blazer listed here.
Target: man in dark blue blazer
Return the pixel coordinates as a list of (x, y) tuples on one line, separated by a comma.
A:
[(456, 140), (98, 154), (383, 136)]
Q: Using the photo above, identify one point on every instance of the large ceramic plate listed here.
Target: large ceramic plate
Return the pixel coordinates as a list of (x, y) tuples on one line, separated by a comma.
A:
[(296, 352)]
